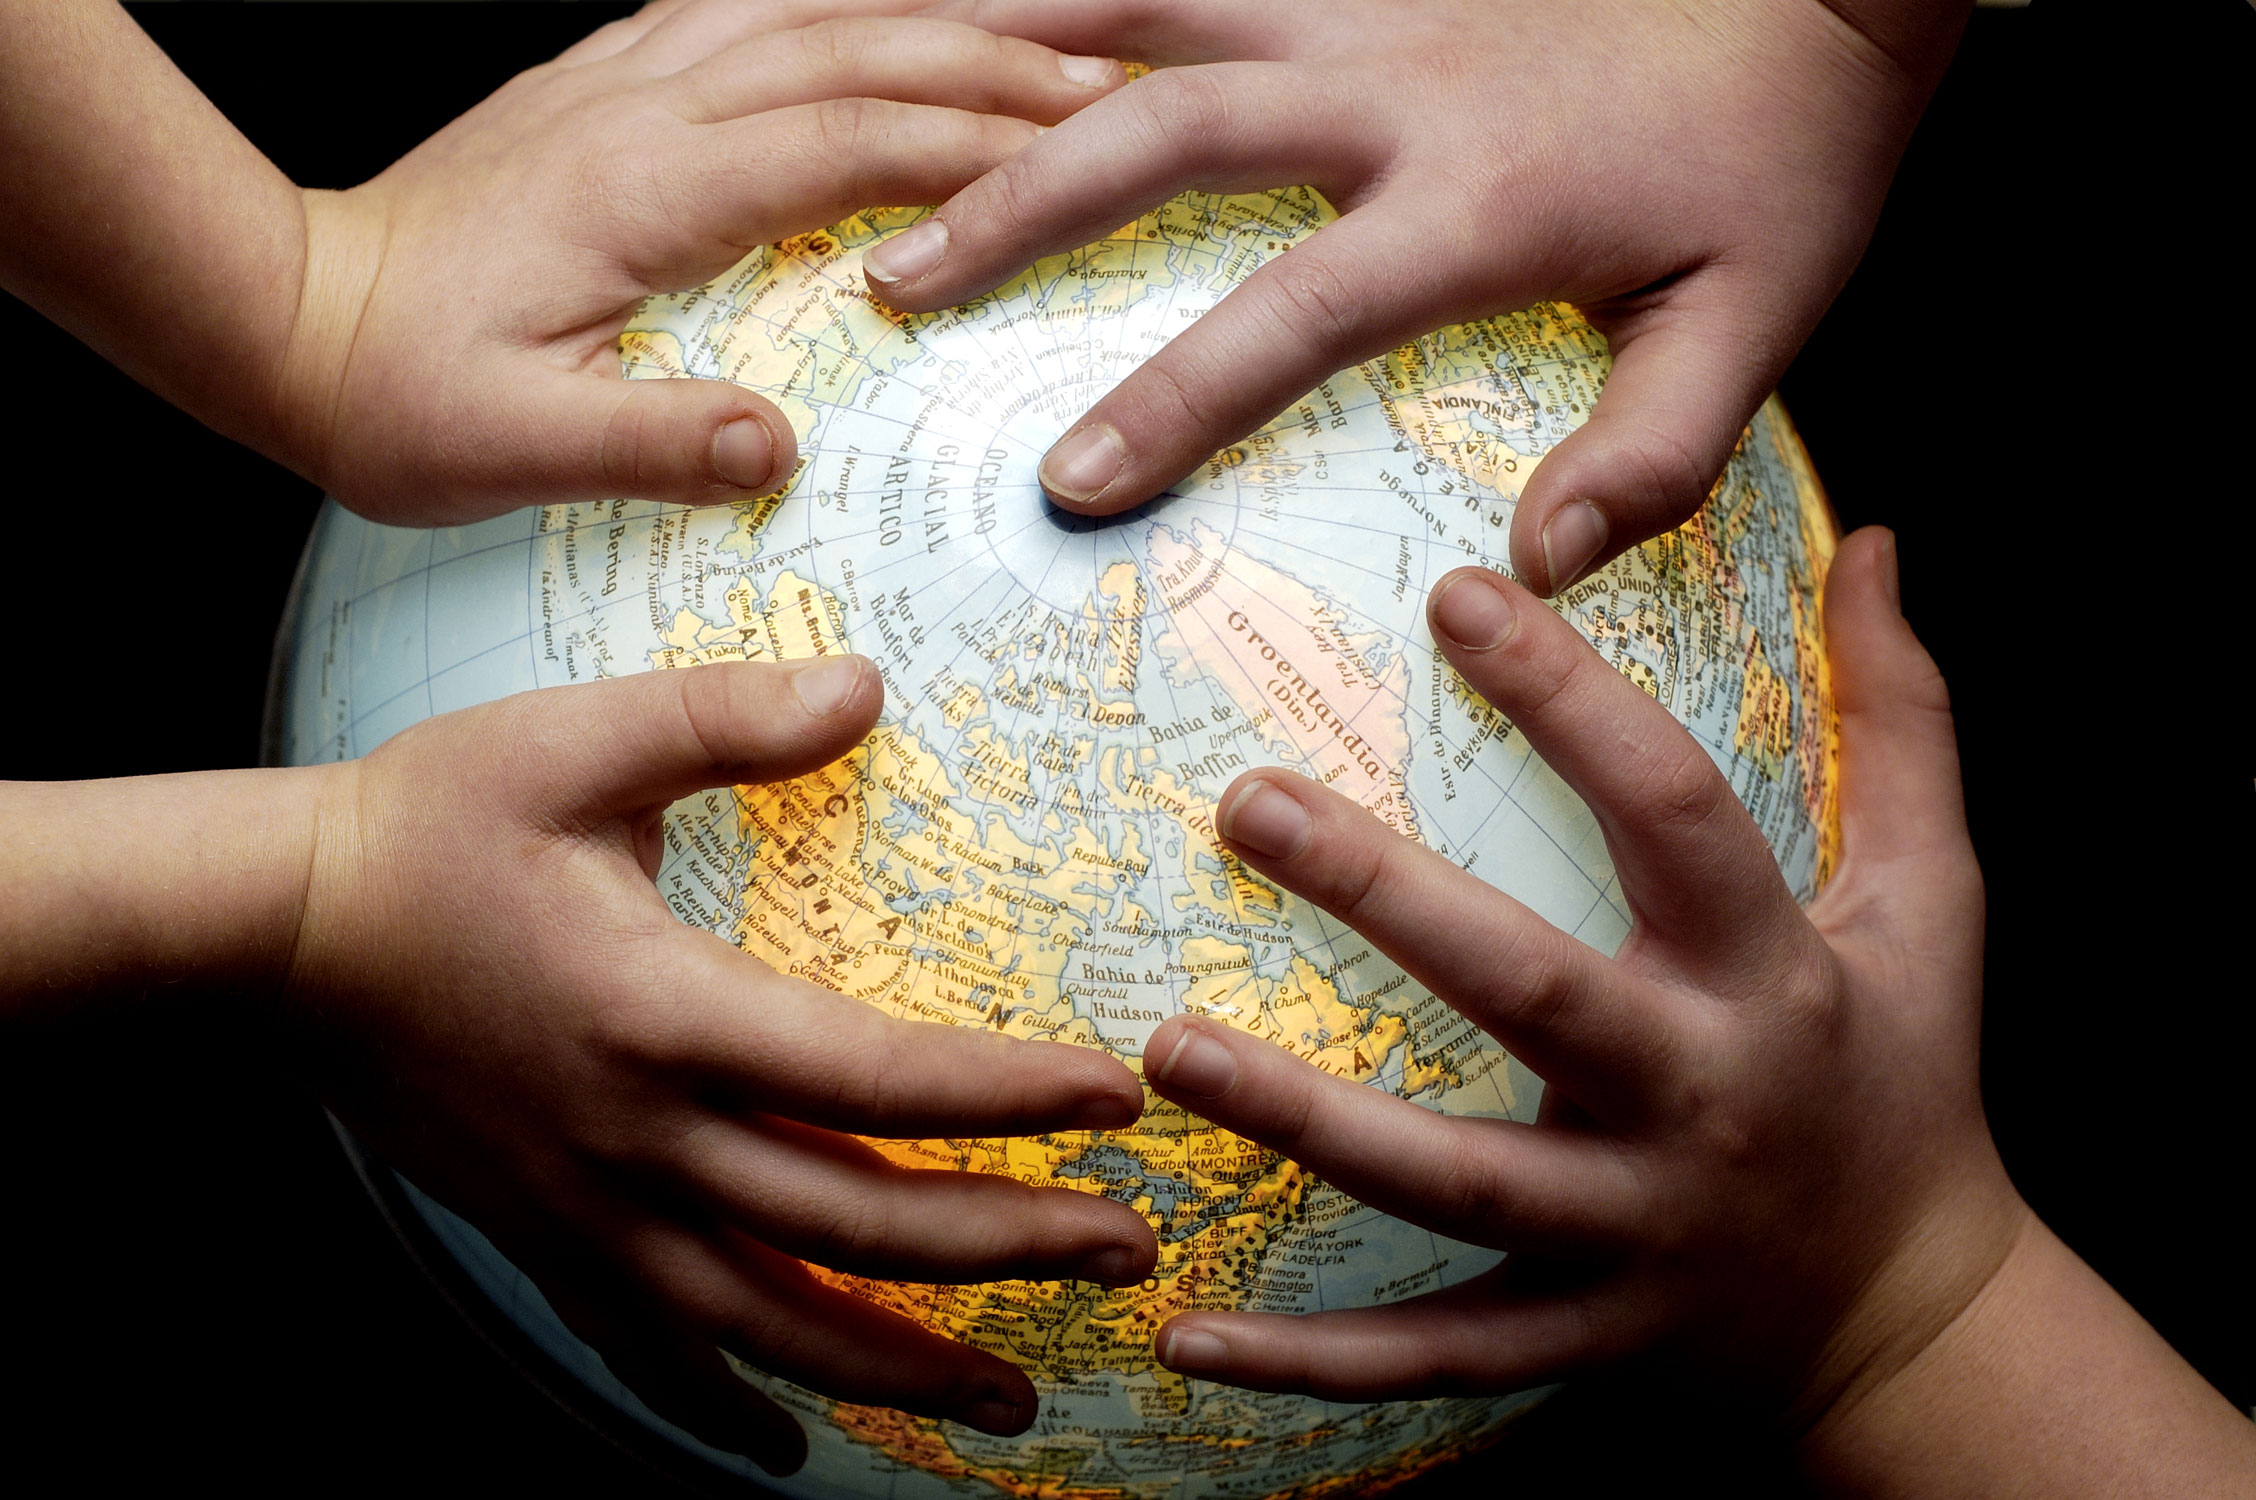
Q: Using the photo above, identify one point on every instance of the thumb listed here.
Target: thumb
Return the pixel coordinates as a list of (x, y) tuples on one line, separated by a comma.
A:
[(1680, 393), (625, 745), (1900, 793), (686, 442)]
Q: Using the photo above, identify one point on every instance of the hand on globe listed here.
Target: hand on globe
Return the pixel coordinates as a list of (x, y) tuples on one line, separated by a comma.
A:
[(1699, 181), (1762, 1151), (658, 1128), (455, 354)]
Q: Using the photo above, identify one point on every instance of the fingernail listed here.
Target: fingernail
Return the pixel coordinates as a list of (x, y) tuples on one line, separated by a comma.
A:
[(1089, 72), (1084, 462), (1002, 1418), (1200, 1065), (1891, 578), (824, 687), (744, 453), (1571, 540), (1190, 1349), (908, 254), (1111, 1112), (1473, 612), (1115, 1267), (1267, 821)]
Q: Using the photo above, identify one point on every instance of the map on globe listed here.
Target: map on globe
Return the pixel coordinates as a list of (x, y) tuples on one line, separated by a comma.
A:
[(1026, 843)]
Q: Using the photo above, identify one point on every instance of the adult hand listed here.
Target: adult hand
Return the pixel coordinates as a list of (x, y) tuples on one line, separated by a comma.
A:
[(455, 352), (656, 1127), (1699, 180)]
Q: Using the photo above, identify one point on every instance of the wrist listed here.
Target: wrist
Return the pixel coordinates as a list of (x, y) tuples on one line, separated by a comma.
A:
[(2045, 1383), (115, 891), (345, 238), (1911, 1314)]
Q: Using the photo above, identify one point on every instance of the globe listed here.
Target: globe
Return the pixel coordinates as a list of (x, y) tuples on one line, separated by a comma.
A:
[(1026, 841)]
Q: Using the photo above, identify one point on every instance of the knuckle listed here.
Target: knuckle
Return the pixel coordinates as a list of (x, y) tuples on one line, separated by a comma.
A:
[(879, 1088), (1174, 395), (1732, 1138), (624, 444), (1292, 1117), (848, 1228), (1678, 793), (841, 45), (1924, 690), (1361, 875), (1008, 207), (843, 130), (1466, 1192), (1542, 989), (766, 1335), (1537, 673), (705, 711), (1321, 306), (1175, 106), (1664, 473)]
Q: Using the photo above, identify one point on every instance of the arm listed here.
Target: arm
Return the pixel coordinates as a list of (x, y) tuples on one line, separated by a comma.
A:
[(459, 942), (2047, 1384), (1698, 179), (438, 344), (1762, 1161), (152, 889)]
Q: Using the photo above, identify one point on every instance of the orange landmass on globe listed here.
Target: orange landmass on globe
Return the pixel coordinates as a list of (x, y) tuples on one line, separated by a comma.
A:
[(1305, 683)]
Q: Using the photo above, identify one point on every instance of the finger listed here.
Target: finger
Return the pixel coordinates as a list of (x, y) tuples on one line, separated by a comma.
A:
[(682, 1378), (910, 60), (1683, 386), (1487, 1182), (838, 1202), (825, 1059), (617, 36), (1474, 1338), (1160, 32), (624, 745), (551, 436), (1695, 871), (1353, 291), (683, 35), (1900, 792), (556, 436), (774, 1314), (766, 177), (1225, 127), (1554, 1002)]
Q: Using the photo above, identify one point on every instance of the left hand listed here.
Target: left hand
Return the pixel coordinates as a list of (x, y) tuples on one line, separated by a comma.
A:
[(456, 354), (1762, 1148)]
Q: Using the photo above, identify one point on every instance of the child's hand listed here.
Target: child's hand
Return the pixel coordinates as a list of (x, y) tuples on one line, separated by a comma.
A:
[(655, 1126), (1698, 179), (455, 351), (1762, 1151)]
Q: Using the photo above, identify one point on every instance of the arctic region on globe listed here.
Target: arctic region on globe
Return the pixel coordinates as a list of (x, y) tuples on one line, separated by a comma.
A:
[(1026, 842)]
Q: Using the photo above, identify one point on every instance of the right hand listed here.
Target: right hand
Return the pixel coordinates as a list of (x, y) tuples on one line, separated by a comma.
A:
[(656, 1127), (1697, 179)]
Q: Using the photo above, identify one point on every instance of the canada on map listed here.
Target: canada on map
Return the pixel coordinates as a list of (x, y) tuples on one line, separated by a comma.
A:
[(1026, 843)]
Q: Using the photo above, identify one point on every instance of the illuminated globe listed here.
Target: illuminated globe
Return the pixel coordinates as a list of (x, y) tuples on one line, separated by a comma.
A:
[(1026, 842)]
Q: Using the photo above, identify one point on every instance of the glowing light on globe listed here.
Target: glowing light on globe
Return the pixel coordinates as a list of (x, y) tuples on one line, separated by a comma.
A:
[(1026, 842)]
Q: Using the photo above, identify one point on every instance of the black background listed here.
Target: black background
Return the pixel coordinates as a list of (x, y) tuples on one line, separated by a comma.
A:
[(2035, 377)]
